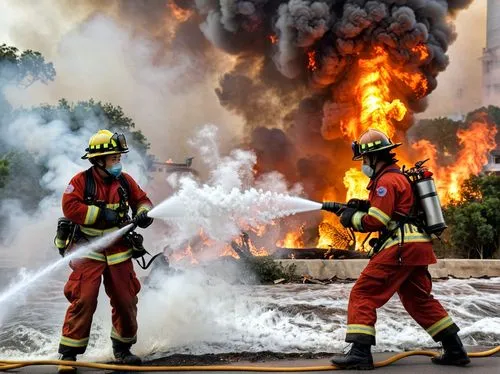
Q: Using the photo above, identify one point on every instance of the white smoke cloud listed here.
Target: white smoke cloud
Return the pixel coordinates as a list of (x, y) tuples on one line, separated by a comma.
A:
[(231, 200)]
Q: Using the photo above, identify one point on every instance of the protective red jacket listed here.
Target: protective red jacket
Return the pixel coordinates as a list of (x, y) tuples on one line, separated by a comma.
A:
[(390, 194), (75, 209)]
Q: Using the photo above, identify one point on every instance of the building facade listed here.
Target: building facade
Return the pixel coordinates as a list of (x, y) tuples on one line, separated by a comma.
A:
[(491, 72)]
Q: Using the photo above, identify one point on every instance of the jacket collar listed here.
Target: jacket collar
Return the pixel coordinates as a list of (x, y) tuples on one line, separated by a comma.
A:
[(385, 169), (97, 176)]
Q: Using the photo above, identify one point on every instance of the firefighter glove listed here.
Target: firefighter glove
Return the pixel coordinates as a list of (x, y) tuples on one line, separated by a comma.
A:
[(109, 216), (64, 230), (346, 217), (359, 204), (143, 220)]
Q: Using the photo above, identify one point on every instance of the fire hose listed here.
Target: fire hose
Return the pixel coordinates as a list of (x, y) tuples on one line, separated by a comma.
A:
[(10, 365)]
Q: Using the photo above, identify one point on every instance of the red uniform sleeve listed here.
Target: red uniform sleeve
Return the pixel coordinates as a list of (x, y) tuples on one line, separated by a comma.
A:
[(382, 202), (73, 204), (138, 199)]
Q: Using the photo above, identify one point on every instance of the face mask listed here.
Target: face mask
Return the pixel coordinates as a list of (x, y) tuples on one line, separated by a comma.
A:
[(115, 170), (367, 170)]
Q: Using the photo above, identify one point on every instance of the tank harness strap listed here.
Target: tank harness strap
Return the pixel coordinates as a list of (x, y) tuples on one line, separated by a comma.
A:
[(91, 189), (401, 220)]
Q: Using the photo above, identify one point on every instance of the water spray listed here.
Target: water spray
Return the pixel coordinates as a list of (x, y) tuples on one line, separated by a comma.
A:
[(203, 206), (96, 245), (222, 213)]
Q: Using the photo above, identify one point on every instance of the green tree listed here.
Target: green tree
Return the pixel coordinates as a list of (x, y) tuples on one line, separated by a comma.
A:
[(4, 171), (21, 69), (76, 115), (24, 68), (475, 219), (23, 179)]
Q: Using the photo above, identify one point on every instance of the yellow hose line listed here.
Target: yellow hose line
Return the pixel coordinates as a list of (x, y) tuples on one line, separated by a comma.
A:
[(9, 365)]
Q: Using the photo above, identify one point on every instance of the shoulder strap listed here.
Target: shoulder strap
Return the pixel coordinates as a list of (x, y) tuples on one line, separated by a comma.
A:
[(125, 184), (90, 187)]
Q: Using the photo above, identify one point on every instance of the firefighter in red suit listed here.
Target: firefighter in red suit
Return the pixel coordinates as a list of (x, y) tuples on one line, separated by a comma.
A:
[(403, 253), (103, 213)]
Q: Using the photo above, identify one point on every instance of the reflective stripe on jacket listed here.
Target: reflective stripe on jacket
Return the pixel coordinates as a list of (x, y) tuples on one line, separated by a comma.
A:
[(391, 196), (87, 216)]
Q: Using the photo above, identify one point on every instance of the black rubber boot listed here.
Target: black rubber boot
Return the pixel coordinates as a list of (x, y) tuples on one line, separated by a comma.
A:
[(454, 352), (66, 368), (124, 356), (358, 358)]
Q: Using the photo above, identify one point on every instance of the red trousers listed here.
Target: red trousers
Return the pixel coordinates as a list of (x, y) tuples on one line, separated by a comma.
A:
[(82, 289), (377, 284)]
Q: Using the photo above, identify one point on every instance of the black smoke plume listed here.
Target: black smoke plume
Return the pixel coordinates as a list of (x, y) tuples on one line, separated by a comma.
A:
[(273, 84)]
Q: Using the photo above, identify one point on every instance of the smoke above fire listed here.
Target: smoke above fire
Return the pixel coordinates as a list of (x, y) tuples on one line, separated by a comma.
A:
[(321, 44), (312, 74)]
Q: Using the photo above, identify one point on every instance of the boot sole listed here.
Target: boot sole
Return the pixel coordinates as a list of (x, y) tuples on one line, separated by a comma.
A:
[(463, 362)]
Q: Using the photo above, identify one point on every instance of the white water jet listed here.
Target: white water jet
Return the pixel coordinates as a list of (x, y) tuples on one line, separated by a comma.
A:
[(220, 212), (96, 245)]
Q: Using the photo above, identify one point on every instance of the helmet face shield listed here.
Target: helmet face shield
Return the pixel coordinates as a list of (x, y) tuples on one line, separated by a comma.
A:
[(120, 141), (356, 154)]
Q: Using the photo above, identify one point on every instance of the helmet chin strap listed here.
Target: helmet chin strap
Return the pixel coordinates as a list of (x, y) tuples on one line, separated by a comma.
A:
[(109, 176), (373, 163)]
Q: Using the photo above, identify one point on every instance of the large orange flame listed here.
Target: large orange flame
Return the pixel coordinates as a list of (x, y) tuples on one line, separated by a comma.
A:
[(378, 108), (476, 142), (378, 103)]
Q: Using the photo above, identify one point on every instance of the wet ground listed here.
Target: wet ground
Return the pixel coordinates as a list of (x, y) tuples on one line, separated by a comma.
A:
[(192, 319)]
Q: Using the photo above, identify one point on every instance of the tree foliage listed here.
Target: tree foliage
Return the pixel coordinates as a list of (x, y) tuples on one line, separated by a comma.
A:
[(4, 171), (475, 219), (76, 115), (24, 68), (441, 132), (23, 177)]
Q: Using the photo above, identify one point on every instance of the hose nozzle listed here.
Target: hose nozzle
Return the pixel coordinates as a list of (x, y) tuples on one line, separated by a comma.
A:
[(333, 207)]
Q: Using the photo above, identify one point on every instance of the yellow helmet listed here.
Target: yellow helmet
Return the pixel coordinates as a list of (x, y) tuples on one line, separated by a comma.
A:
[(371, 141), (104, 142)]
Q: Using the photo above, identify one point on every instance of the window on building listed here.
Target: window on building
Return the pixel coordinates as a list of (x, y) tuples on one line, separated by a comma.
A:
[(496, 159)]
